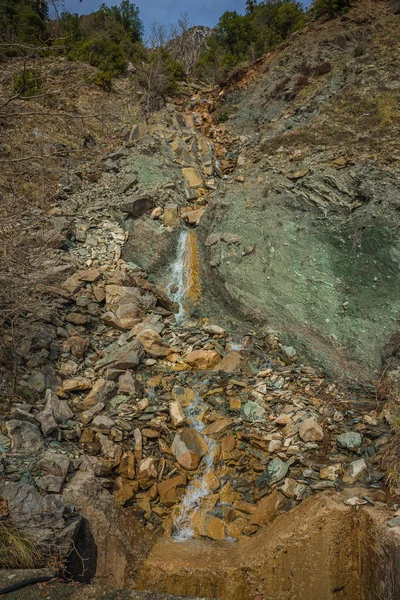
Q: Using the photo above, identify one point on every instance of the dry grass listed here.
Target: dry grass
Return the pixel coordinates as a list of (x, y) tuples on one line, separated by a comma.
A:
[(389, 389), (17, 551)]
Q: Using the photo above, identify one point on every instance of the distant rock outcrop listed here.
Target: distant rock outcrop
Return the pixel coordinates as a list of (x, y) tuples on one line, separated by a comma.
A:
[(185, 47)]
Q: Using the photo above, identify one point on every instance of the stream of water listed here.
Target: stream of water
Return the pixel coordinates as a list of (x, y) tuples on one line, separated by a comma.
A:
[(200, 486), (178, 275)]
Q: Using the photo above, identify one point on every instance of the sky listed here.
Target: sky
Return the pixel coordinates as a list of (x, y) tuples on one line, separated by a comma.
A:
[(201, 12)]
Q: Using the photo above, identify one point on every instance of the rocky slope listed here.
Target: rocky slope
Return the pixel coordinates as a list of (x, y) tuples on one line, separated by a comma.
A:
[(140, 414), (318, 148)]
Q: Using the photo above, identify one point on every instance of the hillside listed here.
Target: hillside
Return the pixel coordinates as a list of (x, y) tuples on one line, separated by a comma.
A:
[(199, 301)]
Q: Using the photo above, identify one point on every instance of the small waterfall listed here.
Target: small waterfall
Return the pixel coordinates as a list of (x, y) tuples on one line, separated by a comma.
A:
[(199, 488), (185, 273), (178, 275)]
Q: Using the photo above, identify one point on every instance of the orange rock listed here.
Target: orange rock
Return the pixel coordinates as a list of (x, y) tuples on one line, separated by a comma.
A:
[(208, 526), (171, 490), (189, 447), (229, 363), (267, 508), (153, 343), (203, 359)]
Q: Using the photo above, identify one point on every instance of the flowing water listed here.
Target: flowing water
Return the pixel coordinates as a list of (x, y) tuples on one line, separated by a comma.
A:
[(178, 275), (200, 487), (185, 274)]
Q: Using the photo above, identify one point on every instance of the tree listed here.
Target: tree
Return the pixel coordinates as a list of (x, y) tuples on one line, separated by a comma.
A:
[(127, 14), (251, 5)]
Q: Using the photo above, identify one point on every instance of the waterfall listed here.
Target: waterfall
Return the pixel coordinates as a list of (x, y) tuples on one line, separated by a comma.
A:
[(200, 487), (185, 273), (178, 275)]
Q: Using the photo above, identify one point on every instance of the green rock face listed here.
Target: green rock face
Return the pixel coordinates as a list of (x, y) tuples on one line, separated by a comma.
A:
[(350, 441)]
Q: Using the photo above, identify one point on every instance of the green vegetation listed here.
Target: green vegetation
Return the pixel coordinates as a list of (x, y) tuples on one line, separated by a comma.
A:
[(28, 83), (17, 551), (329, 8), (246, 37)]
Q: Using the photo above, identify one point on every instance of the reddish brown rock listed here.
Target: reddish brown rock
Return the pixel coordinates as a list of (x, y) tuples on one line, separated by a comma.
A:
[(189, 447)]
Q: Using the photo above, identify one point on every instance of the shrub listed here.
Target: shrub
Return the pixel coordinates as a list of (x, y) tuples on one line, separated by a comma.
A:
[(329, 8), (28, 83), (17, 551), (104, 80), (359, 51), (323, 68), (101, 52)]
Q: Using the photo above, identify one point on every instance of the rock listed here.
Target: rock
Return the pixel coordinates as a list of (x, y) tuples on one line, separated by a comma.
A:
[(171, 215), (332, 472), (137, 206), (192, 177), (101, 391), (25, 437), (189, 447), (351, 440), (289, 351), (44, 519), (153, 343), (395, 522), (355, 471), (124, 489), (53, 464), (253, 412), (111, 451), (193, 217), (126, 467), (55, 411), (87, 415), (275, 471), (230, 363), (203, 359), (267, 508), (50, 483), (212, 239), (289, 487), (274, 446), (147, 472), (156, 213), (218, 426), (208, 526), (124, 357), (124, 317), (120, 542), (77, 384), (103, 424), (171, 490), (310, 430), (184, 395), (128, 183), (91, 275), (176, 413), (214, 329), (128, 384)]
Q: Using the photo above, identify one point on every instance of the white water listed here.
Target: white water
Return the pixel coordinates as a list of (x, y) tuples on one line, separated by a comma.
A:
[(199, 488), (178, 275)]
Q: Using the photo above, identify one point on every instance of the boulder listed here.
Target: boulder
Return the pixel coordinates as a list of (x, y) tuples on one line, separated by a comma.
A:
[(171, 490), (122, 357), (208, 526), (171, 215), (55, 411), (77, 384), (275, 471), (310, 430), (147, 472), (153, 343), (193, 217), (53, 464), (101, 391), (128, 384), (214, 329), (193, 177), (176, 413), (351, 440), (218, 426), (113, 544), (137, 206), (189, 447), (355, 471), (230, 363), (45, 519), (203, 359), (25, 437)]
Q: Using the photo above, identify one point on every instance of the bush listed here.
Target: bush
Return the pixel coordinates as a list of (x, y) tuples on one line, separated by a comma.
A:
[(101, 52), (359, 51), (329, 8), (104, 80), (28, 83), (323, 68)]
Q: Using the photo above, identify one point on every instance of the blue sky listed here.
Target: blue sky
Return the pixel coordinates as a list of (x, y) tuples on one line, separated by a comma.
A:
[(201, 12)]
